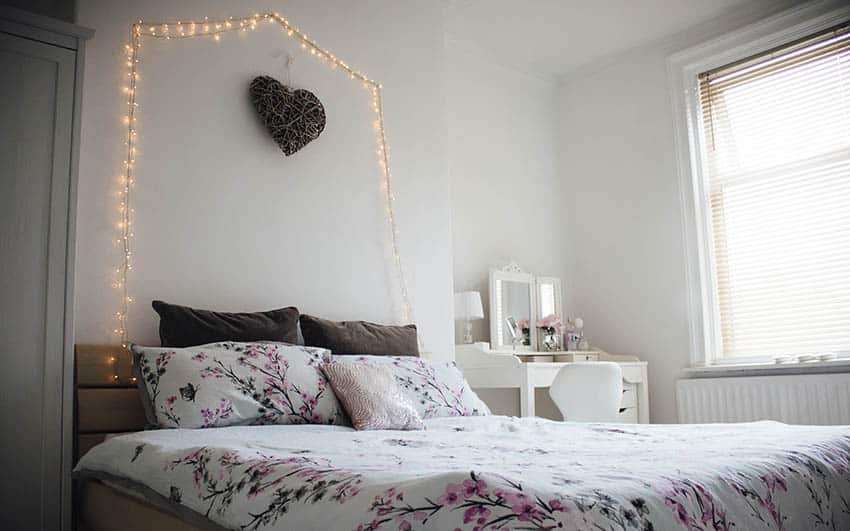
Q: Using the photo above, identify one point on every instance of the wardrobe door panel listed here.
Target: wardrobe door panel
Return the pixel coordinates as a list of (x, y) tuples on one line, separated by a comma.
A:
[(36, 106)]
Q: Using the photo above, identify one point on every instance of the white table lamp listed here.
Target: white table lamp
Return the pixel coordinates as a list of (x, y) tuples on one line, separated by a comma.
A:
[(468, 307)]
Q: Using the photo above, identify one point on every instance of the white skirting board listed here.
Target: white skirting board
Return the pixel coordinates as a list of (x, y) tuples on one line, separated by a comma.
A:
[(794, 399)]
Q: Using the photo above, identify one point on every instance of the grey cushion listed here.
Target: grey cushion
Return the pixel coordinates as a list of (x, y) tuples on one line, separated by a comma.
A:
[(181, 326), (360, 337)]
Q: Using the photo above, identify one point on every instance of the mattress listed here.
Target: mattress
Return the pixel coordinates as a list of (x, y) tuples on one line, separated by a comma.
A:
[(491, 473)]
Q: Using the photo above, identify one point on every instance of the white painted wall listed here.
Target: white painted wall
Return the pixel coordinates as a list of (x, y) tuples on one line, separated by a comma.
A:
[(628, 270), (507, 197), (222, 219), (481, 156)]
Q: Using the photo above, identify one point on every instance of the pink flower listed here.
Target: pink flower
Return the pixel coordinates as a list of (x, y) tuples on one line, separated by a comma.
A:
[(170, 400), (309, 400), (472, 487), (550, 321), (404, 525), (452, 495), (556, 505), (513, 497), (200, 356), (476, 513), (524, 510), (522, 323)]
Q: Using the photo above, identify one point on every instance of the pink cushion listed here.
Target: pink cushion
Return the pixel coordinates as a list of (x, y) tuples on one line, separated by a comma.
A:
[(371, 397)]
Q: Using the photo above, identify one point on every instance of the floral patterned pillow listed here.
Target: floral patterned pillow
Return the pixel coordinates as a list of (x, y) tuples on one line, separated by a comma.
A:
[(436, 389), (223, 384)]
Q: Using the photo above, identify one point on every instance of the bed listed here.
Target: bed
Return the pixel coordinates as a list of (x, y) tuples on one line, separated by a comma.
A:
[(475, 473)]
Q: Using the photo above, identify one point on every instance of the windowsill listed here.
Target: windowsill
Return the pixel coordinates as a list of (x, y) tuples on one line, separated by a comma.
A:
[(768, 369)]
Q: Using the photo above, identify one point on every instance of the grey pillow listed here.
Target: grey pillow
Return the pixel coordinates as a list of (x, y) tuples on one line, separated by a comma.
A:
[(181, 326), (360, 337)]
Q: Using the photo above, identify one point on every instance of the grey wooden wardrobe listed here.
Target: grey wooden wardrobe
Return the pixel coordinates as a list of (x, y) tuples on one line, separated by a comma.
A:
[(41, 65)]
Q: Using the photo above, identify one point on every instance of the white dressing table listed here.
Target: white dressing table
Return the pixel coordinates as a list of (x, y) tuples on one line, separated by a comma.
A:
[(505, 369)]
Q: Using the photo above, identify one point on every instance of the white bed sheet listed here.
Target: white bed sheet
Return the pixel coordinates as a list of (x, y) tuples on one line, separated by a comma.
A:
[(495, 473)]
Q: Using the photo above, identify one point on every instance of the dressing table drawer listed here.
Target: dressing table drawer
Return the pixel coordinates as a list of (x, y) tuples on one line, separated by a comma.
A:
[(570, 357), (629, 415), (629, 395)]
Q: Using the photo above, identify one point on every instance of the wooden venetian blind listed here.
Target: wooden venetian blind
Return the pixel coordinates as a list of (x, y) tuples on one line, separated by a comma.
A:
[(776, 162)]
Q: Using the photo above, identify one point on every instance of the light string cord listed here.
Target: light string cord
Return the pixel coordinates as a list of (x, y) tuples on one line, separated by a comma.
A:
[(132, 53), (407, 309), (214, 29)]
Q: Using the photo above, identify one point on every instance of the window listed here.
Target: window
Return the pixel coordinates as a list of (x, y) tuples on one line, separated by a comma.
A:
[(774, 155)]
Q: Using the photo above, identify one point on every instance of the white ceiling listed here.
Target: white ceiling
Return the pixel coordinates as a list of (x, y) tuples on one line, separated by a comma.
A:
[(552, 37)]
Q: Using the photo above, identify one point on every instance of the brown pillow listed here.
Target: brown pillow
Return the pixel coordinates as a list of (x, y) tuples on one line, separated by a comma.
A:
[(181, 326), (360, 337), (371, 397)]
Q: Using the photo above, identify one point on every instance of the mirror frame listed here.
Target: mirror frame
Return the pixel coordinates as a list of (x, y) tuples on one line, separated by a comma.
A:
[(513, 274), (559, 304)]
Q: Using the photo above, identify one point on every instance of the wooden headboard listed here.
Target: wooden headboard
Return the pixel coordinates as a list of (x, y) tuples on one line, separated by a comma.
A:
[(106, 399)]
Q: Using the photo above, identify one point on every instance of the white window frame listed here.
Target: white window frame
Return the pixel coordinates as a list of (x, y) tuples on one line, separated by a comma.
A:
[(683, 69)]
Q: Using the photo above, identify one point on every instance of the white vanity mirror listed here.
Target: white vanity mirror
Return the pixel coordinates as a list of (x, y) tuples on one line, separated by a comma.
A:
[(549, 297), (512, 309)]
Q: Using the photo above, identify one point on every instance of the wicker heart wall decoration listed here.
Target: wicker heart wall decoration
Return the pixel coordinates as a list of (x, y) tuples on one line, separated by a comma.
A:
[(294, 117)]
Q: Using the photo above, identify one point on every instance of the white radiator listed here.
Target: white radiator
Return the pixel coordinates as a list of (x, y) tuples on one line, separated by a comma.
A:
[(795, 399)]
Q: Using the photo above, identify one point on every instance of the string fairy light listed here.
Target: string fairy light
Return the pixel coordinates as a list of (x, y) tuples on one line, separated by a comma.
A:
[(215, 30)]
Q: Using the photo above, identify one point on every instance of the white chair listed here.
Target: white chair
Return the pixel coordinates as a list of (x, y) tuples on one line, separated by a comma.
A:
[(588, 392)]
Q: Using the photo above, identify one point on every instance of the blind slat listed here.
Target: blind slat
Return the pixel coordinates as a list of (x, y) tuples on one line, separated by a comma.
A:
[(776, 165), (836, 48)]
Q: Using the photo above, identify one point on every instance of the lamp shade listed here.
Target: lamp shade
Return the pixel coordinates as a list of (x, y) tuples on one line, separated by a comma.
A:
[(468, 305)]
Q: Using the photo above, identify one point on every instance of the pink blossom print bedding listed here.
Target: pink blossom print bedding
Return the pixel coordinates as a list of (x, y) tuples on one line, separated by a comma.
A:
[(494, 473), (223, 384)]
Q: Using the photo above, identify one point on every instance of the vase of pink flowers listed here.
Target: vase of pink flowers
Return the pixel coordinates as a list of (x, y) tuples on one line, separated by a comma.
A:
[(549, 329)]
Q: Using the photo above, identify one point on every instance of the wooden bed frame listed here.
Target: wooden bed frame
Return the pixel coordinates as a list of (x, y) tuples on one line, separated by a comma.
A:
[(107, 401)]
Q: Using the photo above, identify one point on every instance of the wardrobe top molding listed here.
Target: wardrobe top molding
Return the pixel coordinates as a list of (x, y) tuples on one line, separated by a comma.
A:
[(41, 28)]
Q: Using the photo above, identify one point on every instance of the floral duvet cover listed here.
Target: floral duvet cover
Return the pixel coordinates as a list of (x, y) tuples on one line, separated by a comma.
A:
[(485, 473)]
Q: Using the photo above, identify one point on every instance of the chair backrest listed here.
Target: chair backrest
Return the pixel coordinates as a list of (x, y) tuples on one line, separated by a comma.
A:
[(588, 392)]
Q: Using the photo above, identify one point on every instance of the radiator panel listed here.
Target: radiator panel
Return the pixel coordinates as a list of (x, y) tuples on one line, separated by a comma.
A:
[(794, 399)]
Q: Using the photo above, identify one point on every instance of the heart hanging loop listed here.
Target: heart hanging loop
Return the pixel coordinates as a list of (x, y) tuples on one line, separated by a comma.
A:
[(289, 60)]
